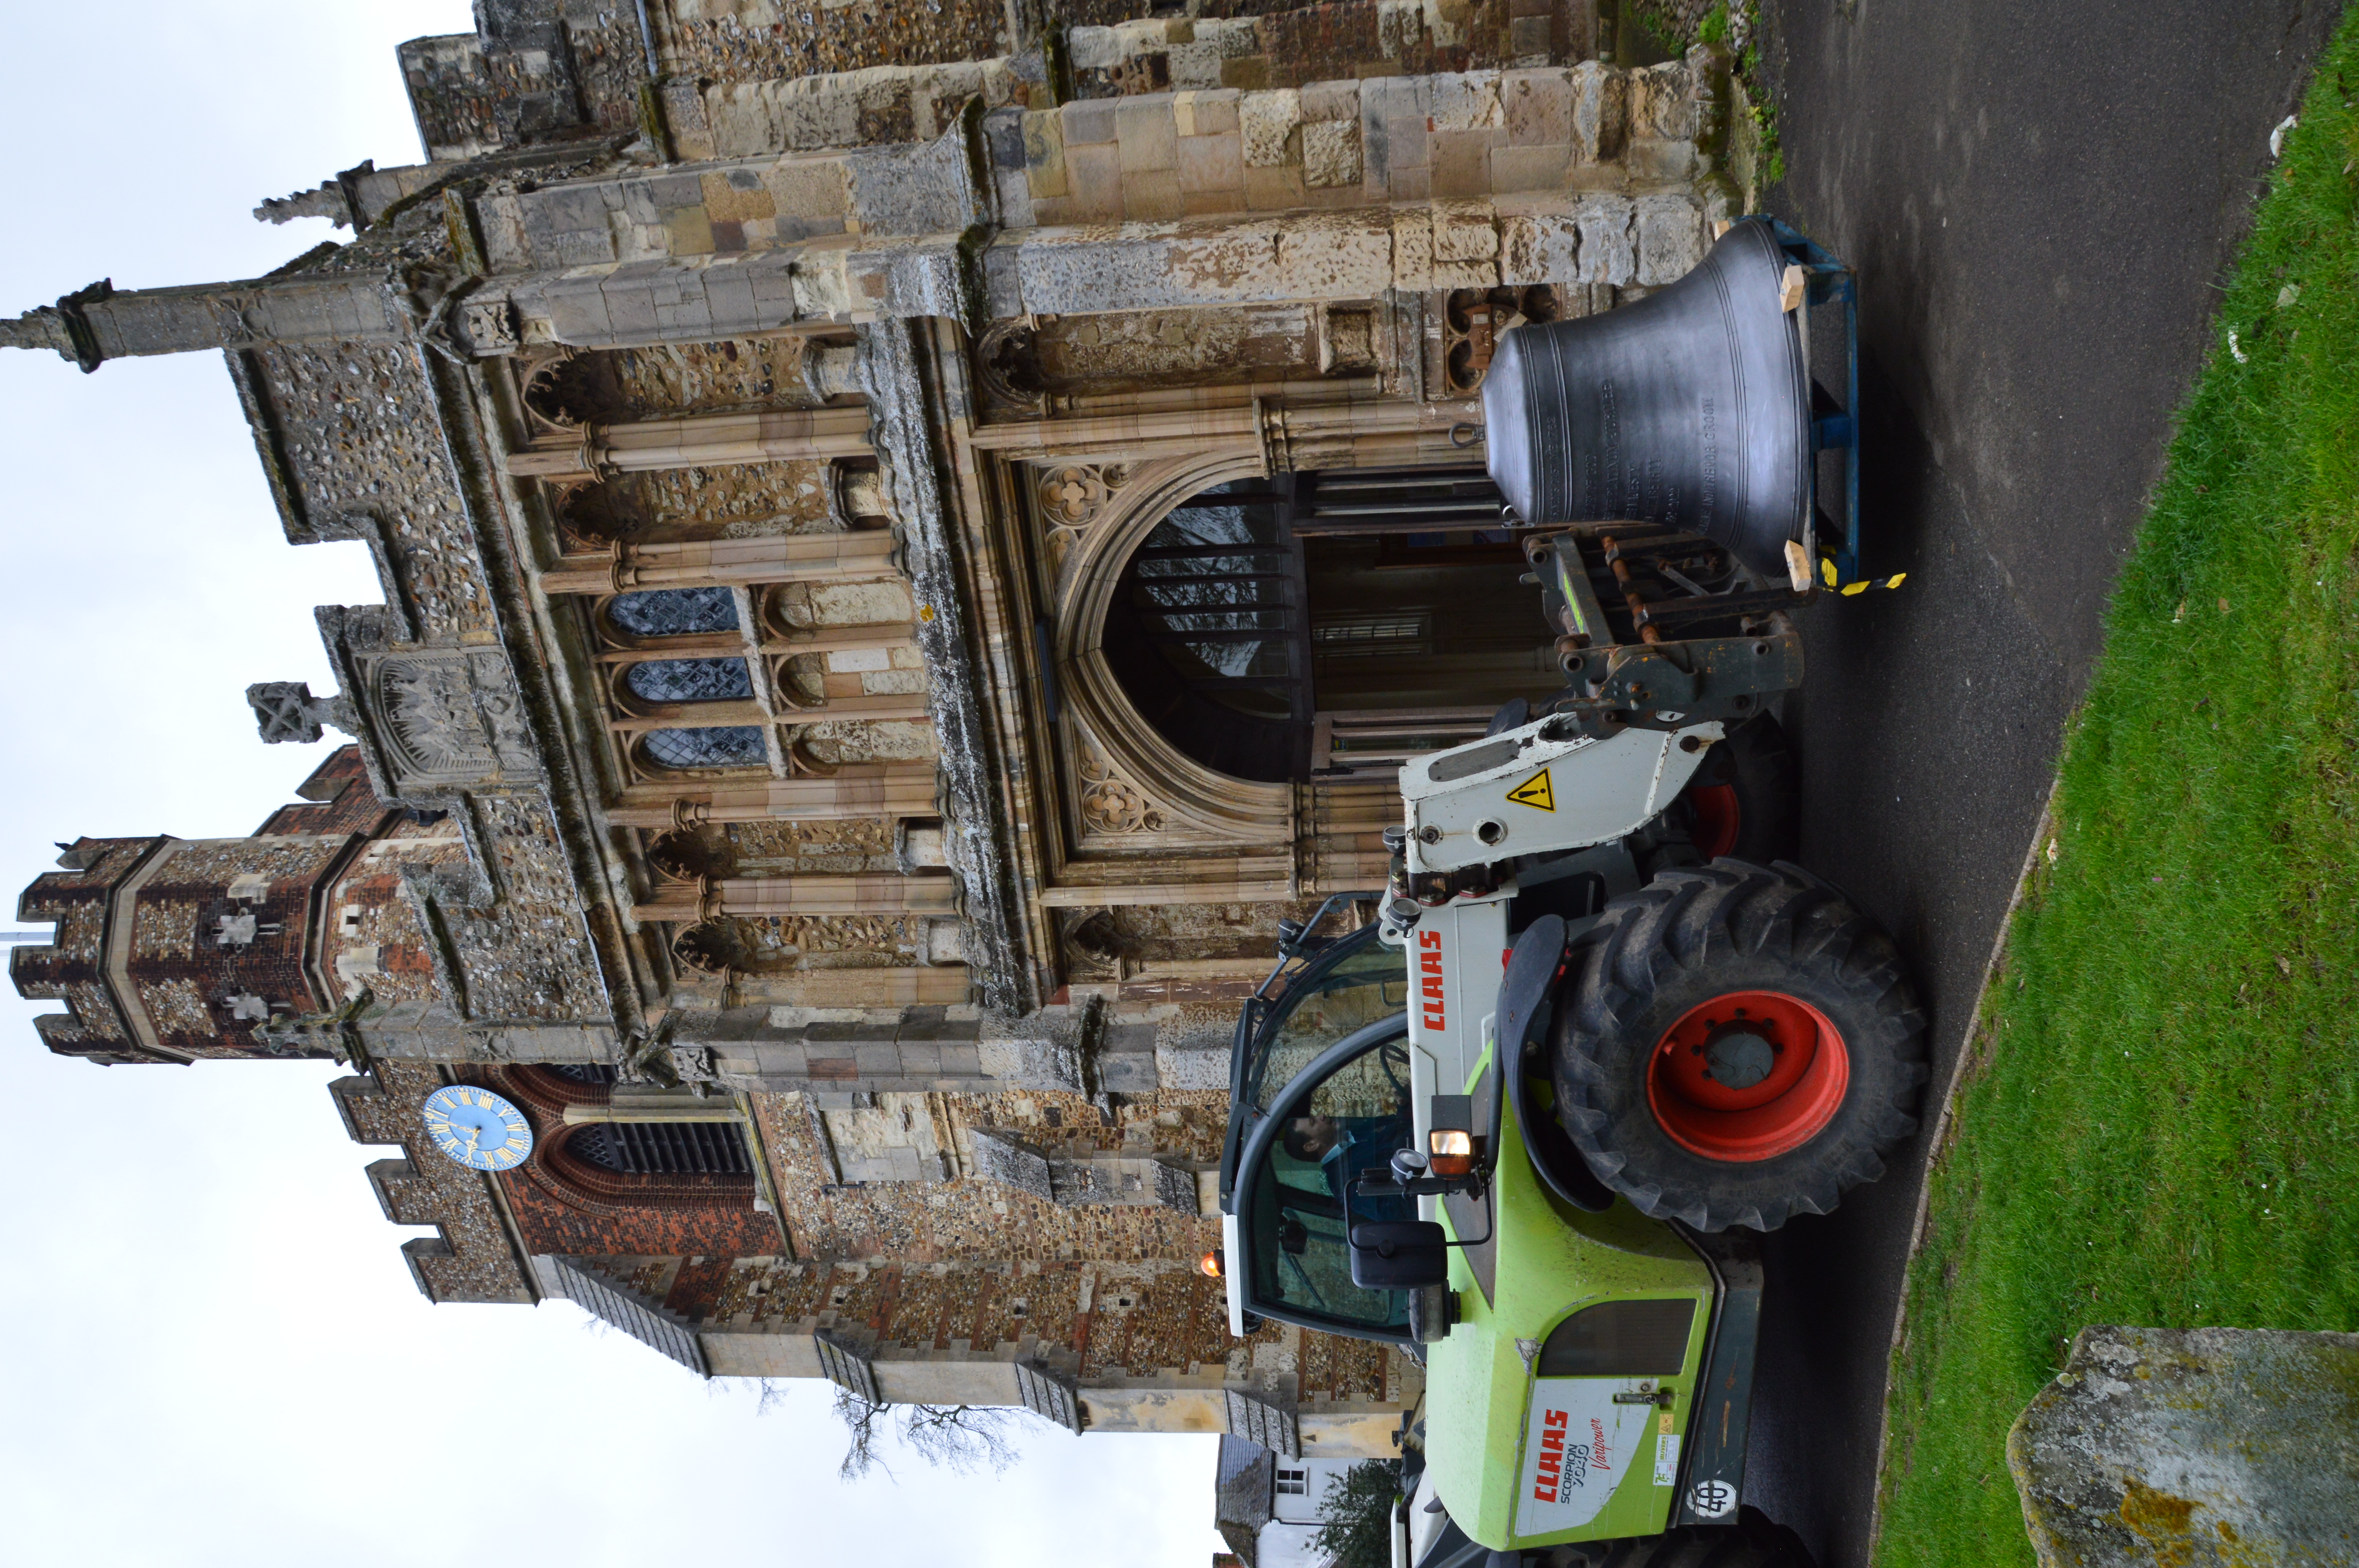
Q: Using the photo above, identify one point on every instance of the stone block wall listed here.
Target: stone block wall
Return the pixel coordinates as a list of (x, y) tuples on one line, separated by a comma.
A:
[(1359, 254), (1159, 157), (902, 189), (848, 109)]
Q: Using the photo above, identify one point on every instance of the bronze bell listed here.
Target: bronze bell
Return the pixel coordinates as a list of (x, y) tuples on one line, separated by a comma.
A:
[(1690, 407)]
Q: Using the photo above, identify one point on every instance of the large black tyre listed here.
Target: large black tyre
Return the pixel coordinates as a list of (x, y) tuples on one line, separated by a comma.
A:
[(1655, 1003), (1745, 801), (1753, 1542)]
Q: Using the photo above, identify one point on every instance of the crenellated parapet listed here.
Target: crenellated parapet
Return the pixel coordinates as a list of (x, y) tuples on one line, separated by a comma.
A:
[(471, 1256)]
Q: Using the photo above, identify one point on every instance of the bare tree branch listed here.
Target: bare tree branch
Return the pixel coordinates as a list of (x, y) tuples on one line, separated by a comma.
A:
[(964, 1438), (861, 1418)]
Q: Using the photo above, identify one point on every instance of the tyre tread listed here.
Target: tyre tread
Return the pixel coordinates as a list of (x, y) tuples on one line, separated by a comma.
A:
[(1663, 937)]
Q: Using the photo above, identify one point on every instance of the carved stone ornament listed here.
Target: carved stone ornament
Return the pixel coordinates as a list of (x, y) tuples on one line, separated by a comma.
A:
[(1007, 366), (449, 719), (1111, 803), (490, 326), (1071, 495), (685, 856), (543, 374), (711, 947), (285, 710), (238, 316), (502, 708), (433, 717)]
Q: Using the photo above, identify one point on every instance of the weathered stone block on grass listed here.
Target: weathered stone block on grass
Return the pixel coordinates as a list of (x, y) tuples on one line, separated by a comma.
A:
[(2195, 1448)]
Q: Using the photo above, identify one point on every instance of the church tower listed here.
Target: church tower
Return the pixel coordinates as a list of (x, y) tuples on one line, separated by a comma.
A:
[(184, 950)]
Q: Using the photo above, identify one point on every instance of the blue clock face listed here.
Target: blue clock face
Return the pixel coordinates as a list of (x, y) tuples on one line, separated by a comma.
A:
[(477, 1128)]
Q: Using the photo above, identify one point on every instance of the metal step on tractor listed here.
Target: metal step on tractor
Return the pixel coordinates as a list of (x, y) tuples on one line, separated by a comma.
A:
[(1527, 1121)]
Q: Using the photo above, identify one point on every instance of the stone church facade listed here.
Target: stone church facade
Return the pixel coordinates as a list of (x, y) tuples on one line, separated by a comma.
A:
[(912, 537)]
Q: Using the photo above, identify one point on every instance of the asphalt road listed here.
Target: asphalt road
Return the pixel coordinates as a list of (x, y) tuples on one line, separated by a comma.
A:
[(2040, 197)]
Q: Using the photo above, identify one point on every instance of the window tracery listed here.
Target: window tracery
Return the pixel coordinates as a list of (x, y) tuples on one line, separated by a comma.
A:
[(713, 746), (673, 611), (689, 680)]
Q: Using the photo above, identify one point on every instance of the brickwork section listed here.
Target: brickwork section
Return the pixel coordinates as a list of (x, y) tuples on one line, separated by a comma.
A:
[(547, 1223), (781, 849), (1102, 1322), (1136, 350), (1099, 1320), (470, 1260), (373, 930), (805, 942), (216, 940), (336, 800)]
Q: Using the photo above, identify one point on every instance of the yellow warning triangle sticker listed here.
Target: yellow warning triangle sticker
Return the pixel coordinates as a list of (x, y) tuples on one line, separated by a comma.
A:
[(1535, 792)]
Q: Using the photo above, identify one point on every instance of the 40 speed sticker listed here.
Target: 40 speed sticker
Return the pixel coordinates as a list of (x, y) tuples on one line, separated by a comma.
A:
[(1577, 1445), (1712, 1500)]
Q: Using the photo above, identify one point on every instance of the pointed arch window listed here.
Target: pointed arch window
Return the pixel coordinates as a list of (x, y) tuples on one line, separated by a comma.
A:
[(691, 680), (673, 611)]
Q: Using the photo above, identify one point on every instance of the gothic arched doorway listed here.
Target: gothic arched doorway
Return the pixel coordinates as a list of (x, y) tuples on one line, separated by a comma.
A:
[(1322, 624)]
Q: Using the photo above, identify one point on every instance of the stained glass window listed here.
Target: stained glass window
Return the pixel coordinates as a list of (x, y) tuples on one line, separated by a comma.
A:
[(722, 746), (674, 612), (689, 680)]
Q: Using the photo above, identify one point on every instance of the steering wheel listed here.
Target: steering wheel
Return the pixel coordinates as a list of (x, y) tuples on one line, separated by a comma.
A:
[(1386, 1056)]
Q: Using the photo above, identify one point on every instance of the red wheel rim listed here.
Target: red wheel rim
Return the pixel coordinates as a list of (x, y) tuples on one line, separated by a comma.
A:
[(1745, 1117), (1717, 820)]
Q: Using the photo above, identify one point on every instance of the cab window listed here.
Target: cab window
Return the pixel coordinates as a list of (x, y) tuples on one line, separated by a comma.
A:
[(1346, 1127), (1351, 986)]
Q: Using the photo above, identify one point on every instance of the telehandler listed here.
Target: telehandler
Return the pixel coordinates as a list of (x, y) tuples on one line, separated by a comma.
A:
[(1526, 1123)]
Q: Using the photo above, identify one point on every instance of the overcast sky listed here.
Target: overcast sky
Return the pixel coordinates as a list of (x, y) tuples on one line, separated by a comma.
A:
[(213, 1353)]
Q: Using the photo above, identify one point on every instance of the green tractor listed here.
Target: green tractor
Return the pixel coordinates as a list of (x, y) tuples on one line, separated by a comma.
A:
[(1526, 1123)]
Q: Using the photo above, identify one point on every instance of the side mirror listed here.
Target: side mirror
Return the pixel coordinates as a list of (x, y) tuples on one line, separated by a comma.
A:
[(1399, 1254)]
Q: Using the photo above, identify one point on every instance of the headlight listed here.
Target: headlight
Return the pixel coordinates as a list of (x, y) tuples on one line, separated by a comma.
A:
[(1451, 1152)]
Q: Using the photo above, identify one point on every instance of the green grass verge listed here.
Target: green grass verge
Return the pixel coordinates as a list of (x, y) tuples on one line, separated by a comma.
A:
[(2159, 1121)]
